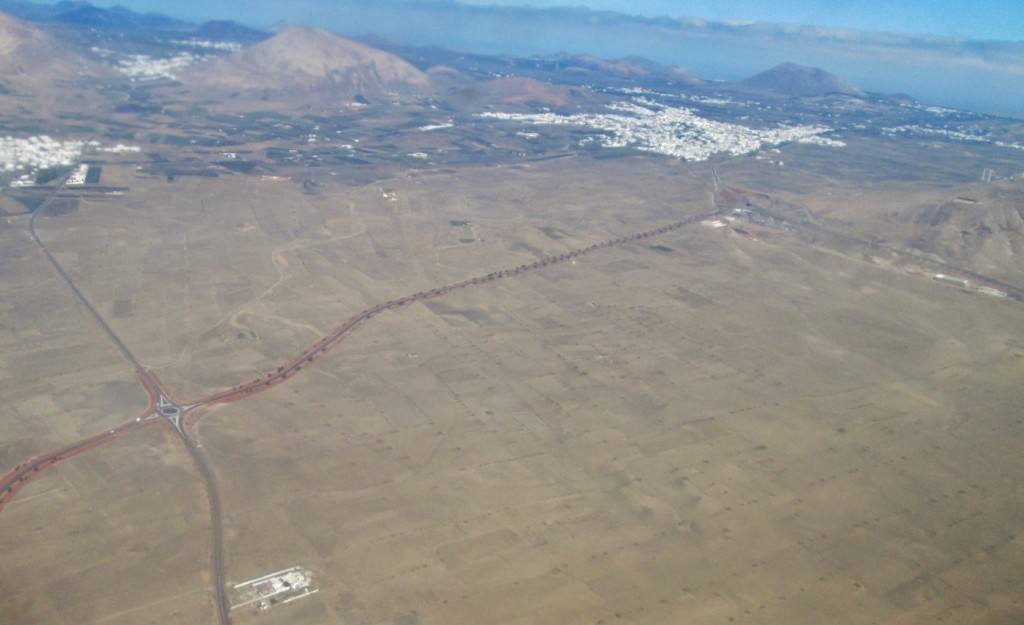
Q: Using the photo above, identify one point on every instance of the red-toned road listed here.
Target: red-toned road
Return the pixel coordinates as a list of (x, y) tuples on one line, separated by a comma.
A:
[(322, 346), (162, 408)]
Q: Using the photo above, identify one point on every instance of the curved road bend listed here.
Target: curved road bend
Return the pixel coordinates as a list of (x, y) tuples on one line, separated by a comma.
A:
[(156, 392), (322, 346), (13, 481), (23, 473)]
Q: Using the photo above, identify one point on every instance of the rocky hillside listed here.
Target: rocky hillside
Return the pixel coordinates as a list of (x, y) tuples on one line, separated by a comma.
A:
[(982, 228), (304, 58)]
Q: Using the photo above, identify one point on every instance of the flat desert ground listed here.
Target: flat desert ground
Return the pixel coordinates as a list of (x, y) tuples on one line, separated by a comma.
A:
[(710, 426)]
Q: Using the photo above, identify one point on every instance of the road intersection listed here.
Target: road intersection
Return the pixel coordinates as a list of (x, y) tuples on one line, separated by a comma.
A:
[(163, 408)]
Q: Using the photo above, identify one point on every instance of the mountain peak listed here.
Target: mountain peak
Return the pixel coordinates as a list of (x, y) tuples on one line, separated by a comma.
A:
[(801, 80), (302, 57)]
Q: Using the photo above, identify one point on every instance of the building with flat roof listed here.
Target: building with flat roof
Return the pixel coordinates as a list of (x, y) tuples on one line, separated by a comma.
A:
[(960, 282)]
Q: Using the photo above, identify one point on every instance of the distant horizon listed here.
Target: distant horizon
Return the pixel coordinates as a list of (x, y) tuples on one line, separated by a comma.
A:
[(985, 76), (985, 20)]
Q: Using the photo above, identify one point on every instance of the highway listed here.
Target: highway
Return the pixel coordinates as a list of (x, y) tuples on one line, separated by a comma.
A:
[(220, 582), (163, 409), (148, 379), (160, 408)]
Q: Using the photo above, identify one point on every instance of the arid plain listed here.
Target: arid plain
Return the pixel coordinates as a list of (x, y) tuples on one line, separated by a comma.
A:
[(752, 423)]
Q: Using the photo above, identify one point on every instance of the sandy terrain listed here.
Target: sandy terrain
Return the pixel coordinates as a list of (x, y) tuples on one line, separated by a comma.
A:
[(710, 426)]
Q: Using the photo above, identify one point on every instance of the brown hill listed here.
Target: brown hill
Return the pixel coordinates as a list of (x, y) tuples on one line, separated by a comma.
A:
[(15, 35), (303, 58), (801, 80), (41, 73), (983, 228), (27, 52), (634, 67), (522, 90), (518, 92)]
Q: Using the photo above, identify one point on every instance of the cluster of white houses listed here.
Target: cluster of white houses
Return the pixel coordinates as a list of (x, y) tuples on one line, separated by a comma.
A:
[(978, 136), (145, 67), (26, 156), (674, 131), (23, 157)]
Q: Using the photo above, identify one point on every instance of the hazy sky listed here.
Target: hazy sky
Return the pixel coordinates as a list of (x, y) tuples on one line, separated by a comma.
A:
[(959, 53), (977, 19)]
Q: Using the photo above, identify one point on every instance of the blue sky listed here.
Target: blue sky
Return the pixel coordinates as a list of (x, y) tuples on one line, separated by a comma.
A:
[(977, 19)]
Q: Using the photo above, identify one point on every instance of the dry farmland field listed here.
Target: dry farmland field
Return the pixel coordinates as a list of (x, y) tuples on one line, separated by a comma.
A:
[(733, 422)]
